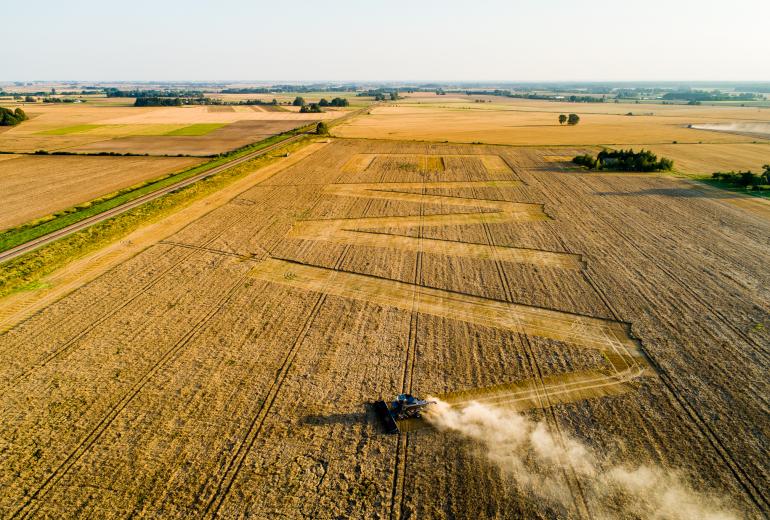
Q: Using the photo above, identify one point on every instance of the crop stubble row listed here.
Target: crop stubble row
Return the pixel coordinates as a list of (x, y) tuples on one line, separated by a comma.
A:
[(318, 451)]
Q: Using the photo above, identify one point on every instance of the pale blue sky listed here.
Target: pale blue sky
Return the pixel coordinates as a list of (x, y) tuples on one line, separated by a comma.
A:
[(371, 40)]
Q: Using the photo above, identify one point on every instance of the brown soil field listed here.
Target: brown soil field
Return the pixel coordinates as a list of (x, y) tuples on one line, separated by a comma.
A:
[(220, 140), (34, 186), (227, 370), (535, 123)]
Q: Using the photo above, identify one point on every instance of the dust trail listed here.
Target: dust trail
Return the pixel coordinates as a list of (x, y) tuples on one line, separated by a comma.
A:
[(526, 450), (754, 128)]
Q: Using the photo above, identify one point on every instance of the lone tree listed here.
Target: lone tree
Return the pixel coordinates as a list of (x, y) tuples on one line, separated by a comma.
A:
[(562, 119), (573, 119), (322, 129), (298, 101)]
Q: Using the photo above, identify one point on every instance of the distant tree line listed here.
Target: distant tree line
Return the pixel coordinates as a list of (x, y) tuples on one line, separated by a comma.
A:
[(695, 96), (160, 101), (10, 117), (380, 94), (259, 90), (625, 161), (257, 102), (747, 179), (117, 93), (311, 108), (60, 100), (146, 101)]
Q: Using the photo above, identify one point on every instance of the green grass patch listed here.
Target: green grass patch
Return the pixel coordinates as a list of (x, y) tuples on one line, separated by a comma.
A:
[(763, 192), (27, 271), (196, 129), (76, 129)]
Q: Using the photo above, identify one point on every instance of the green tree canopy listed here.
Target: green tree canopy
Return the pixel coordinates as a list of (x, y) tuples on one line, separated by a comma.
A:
[(298, 101), (10, 117), (573, 119), (322, 128), (562, 119)]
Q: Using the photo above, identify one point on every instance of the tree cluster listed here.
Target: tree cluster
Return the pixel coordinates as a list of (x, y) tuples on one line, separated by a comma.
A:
[(62, 100), (336, 102), (572, 119), (312, 108), (10, 117), (158, 102), (625, 161), (747, 179)]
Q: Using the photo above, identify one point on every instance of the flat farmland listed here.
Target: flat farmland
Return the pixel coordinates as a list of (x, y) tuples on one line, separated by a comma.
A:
[(212, 142), (705, 159), (227, 370), (536, 123), (35, 186), (192, 130)]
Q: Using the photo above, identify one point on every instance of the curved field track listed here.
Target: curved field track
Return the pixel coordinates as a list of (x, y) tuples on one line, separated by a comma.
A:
[(226, 370)]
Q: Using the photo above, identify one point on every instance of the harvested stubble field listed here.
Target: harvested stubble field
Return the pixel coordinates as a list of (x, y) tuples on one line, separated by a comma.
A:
[(532, 122), (35, 186), (226, 370), (705, 159)]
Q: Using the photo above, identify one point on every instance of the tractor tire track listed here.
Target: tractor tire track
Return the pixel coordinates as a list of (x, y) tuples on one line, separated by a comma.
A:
[(66, 346), (235, 464), (687, 288), (749, 487), (402, 448), (570, 475), (34, 500)]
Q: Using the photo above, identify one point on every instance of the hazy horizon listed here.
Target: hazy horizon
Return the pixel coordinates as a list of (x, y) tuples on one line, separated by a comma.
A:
[(498, 42)]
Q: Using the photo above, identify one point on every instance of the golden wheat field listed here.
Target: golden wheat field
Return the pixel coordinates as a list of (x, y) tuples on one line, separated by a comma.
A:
[(227, 370), (35, 186)]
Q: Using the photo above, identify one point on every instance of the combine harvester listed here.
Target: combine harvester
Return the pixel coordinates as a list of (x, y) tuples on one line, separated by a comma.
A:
[(406, 406)]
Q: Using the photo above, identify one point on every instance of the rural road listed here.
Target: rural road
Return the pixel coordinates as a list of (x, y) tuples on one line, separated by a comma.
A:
[(22, 249)]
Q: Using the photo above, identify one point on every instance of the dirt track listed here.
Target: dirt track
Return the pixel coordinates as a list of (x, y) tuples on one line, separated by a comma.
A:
[(227, 369)]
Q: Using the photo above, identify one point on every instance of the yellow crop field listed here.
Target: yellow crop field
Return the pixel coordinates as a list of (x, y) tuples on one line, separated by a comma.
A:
[(227, 368)]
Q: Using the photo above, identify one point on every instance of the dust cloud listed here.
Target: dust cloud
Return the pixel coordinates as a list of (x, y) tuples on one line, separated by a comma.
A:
[(538, 460), (749, 128)]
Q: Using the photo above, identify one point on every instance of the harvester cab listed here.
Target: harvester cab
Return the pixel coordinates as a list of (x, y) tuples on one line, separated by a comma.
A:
[(405, 406)]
